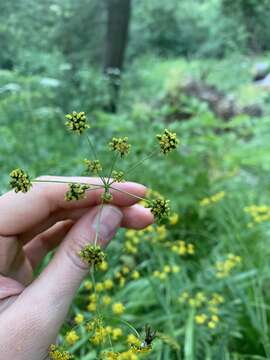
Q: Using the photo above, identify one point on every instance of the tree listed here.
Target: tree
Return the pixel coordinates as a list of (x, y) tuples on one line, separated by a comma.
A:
[(118, 18)]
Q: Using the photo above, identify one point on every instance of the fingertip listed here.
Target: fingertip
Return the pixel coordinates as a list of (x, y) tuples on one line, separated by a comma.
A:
[(137, 217)]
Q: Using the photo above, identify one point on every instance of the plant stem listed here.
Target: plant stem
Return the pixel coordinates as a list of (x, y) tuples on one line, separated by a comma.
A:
[(112, 167), (67, 182), (128, 193), (95, 154), (140, 162)]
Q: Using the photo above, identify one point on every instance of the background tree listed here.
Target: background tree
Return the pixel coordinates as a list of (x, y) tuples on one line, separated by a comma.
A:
[(118, 18)]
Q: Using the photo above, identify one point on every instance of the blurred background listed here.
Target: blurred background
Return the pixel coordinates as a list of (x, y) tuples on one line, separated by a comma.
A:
[(200, 68)]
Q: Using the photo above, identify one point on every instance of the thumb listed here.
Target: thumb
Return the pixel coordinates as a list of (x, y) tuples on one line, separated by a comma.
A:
[(54, 289)]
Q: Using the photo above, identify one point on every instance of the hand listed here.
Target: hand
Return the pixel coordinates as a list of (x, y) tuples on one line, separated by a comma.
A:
[(33, 310)]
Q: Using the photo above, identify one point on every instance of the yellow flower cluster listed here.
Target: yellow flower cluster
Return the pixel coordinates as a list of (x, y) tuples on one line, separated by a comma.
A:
[(182, 248), (224, 268), (208, 305), (212, 321), (100, 335), (123, 273), (159, 208), (120, 145), (92, 255), (72, 337), (118, 308), (103, 266), (162, 275), (167, 141), (92, 166), (212, 199), (92, 306), (174, 218), (57, 353), (132, 241), (77, 122), (196, 301), (79, 319), (126, 355), (20, 181), (118, 176), (259, 214), (76, 191)]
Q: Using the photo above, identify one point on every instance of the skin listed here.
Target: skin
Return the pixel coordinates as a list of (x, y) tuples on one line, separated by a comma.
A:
[(32, 310)]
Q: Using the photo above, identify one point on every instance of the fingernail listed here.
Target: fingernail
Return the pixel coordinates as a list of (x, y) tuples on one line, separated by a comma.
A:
[(106, 223)]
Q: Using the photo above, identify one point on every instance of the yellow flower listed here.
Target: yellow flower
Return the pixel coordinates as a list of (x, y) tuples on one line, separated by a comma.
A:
[(88, 285), (93, 297), (211, 325), (125, 270), (103, 266), (174, 219), (190, 249), (79, 319), (76, 191), (116, 333), (183, 297), (92, 307), (77, 122), (109, 329), (92, 255), (71, 337), (200, 319), (106, 300), (57, 353), (133, 340), (135, 275), (175, 269), (20, 181), (99, 287), (205, 202), (215, 318), (120, 145), (118, 308), (182, 249), (162, 231), (167, 141), (99, 336), (108, 284), (167, 269), (192, 302)]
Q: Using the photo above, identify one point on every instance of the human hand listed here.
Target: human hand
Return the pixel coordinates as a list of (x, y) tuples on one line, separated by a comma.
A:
[(32, 224)]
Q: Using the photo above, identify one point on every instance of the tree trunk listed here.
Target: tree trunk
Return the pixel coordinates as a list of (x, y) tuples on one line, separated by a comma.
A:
[(118, 17)]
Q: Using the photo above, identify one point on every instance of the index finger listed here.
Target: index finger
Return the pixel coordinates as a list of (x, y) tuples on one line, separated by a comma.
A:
[(19, 211)]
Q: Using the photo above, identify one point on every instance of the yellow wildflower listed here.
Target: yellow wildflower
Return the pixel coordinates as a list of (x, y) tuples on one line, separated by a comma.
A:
[(200, 319), (71, 337), (79, 319), (106, 300), (173, 219), (116, 333), (103, 266), (108, 284), (118, 308), (135, 275)]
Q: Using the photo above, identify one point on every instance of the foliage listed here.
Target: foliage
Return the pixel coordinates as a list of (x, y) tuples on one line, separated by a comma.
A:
[(202, 276)]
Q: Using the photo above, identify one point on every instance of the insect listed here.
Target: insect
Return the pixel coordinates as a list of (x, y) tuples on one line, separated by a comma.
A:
[(149, 337)]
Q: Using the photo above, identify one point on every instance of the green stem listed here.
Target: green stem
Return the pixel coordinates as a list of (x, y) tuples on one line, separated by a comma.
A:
[(128, 193), (112, 167), (66, 182), (98, 222), (95, 155), (140, 162)]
